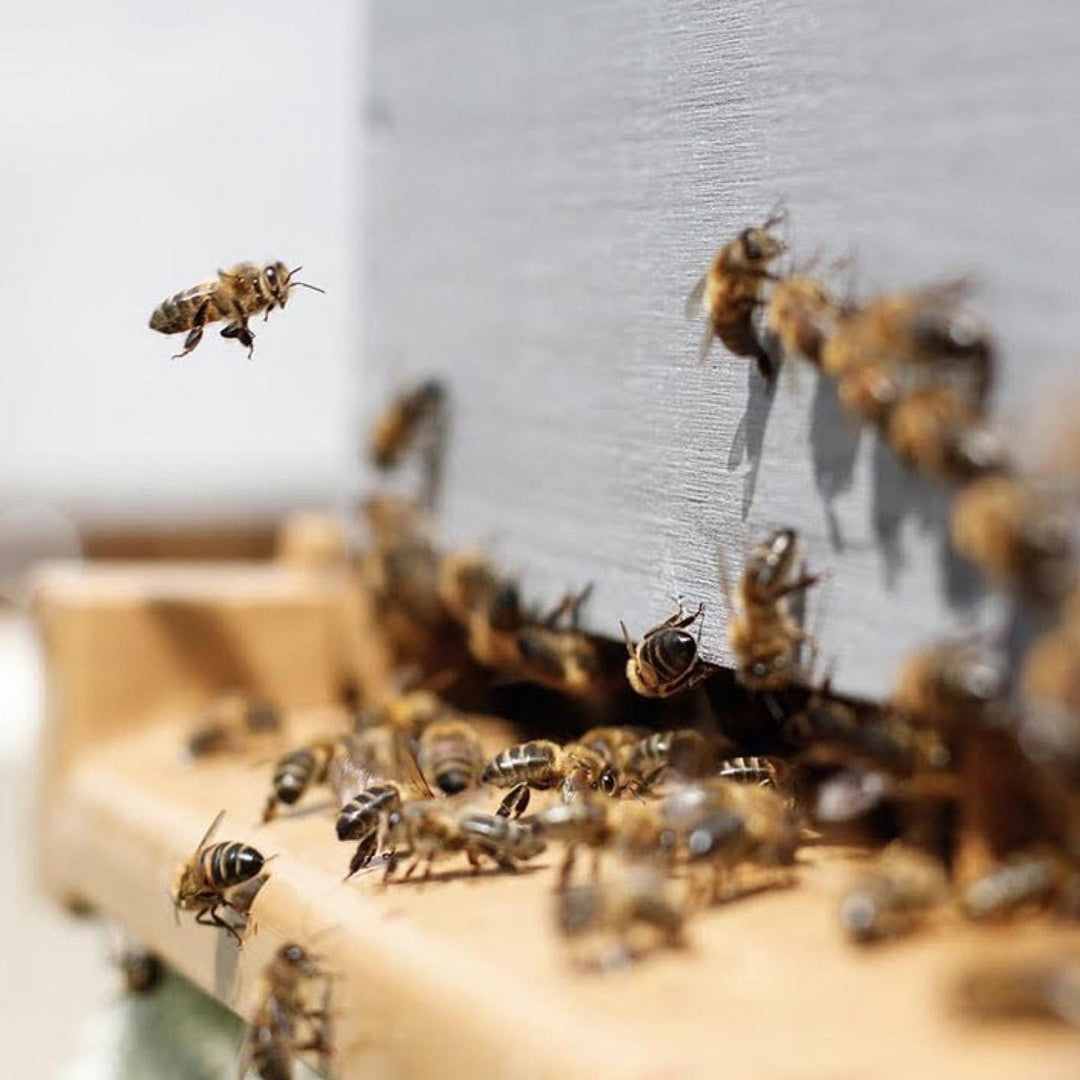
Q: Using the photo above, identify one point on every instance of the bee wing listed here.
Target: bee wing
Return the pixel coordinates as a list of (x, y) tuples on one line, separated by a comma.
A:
[(407, 766), (707, 336), (349, 773), (208, 835), (694, 301)]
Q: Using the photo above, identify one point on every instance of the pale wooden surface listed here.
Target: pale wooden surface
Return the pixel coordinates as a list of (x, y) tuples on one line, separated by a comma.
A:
[(546, 181)]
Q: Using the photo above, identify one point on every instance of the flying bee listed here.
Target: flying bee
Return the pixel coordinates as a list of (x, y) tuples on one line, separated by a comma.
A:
[(729, 292), (925, 327), (1015, 536), (1027, 878), (542, 764), (239, 294), (893, 898), (207, 880), (451, 756), (764, 636), (636, 912), (287, 1021), (299, 770), (800, 315), (951, 686), (432, 830), (410, 416), (666, 660)]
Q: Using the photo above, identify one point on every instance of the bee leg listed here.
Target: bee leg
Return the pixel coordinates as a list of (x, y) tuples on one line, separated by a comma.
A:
[(214, 919), (240, 331), (516, 801), (196, 332), (567, 868), (506, 864), (411, 868), (270, 810), (597, 858), (474, 860)]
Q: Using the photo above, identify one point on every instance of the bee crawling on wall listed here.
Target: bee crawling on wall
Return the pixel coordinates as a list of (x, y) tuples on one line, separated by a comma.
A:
[(666, 660), (762, 631), (226, 874), (729, 292), (903, 885), (238, 294), (289, 1019)]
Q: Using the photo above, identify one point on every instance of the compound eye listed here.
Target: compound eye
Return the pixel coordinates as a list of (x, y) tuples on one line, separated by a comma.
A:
[(759, 669), (294, 954), (271, 276), (608, 783)]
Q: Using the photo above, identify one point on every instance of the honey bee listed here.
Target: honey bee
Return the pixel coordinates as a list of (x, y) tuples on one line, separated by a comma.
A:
[(287, 1022), (951, 686), (892, 899), (729, 292), (1050, 680), (227, 720), (142, 970), (451, 756), (800, 315), (432, 829), (542, 764), (239, 294), (1027, 878), (635, 911), (486, 605), (298, 771), (685, 750), (666, 660), (763, 634), (1015, 536), (923, 327), (409, 712), (763, 771), (408, 417), (207, 880), (1047, 989)]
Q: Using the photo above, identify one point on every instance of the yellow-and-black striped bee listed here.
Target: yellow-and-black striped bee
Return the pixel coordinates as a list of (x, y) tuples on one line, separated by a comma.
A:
[(238, 294), (666, 661), (450, 755), (288, 1020), (298, 770), (204, 882)]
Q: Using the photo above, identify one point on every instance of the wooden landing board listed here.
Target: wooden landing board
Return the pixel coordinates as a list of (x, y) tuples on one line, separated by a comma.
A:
[(465, 977)]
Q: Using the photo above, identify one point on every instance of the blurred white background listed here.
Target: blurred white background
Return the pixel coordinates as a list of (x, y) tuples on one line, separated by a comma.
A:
[(144, 145)]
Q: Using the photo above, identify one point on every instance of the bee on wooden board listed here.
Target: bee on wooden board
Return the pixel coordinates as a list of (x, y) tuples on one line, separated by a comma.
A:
[(1017, 536), (666, 660), (288, 1021), (541, 765), (434, 829), (450, 755), (299, 770), (629, 916), (894, 896), (729, 292), (208, 880), (238, 294), (764, 635), (228, 719)]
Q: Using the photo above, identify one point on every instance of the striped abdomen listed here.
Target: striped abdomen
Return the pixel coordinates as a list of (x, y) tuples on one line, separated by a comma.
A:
[(533, 763), (229, 863), (656, 751), (297, 771), (750, 770), (668, 656), (451, 756), (177, 313), (500, 837), (360, 817)]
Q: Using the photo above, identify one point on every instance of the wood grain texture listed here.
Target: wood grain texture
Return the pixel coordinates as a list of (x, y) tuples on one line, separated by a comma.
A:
[(546, 182)]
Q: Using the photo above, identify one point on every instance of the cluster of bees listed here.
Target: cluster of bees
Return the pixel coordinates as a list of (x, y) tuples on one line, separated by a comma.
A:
[(691, 785)]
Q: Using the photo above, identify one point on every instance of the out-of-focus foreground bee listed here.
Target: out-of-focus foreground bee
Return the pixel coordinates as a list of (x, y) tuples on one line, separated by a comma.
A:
[(1047, 989), (227, 720), (451, 756), (212, 877), (542, 764), (632, 913), (1027, 878), (433, 829), (729, 292), (800, 315), (299, 770), (1016, 536), (238, 294), (288, 1021), (903, 885), (666, 661), (763, 634)]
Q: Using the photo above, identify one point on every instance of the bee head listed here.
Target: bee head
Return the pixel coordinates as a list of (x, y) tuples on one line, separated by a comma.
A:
[(276, 276)]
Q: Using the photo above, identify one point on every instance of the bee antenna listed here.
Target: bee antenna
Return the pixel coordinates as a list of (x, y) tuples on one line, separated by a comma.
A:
[(314, 288)]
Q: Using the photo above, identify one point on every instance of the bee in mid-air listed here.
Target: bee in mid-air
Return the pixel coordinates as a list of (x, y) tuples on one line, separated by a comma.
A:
[(729, 292), (239, 294), (1016, 536), (409, 417), (666, 660), (542, 764), (208, 880), (764, 635), (288, 1020), (891, 900), (299, 770), (450, 755), (633, 913), (433, 829)]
